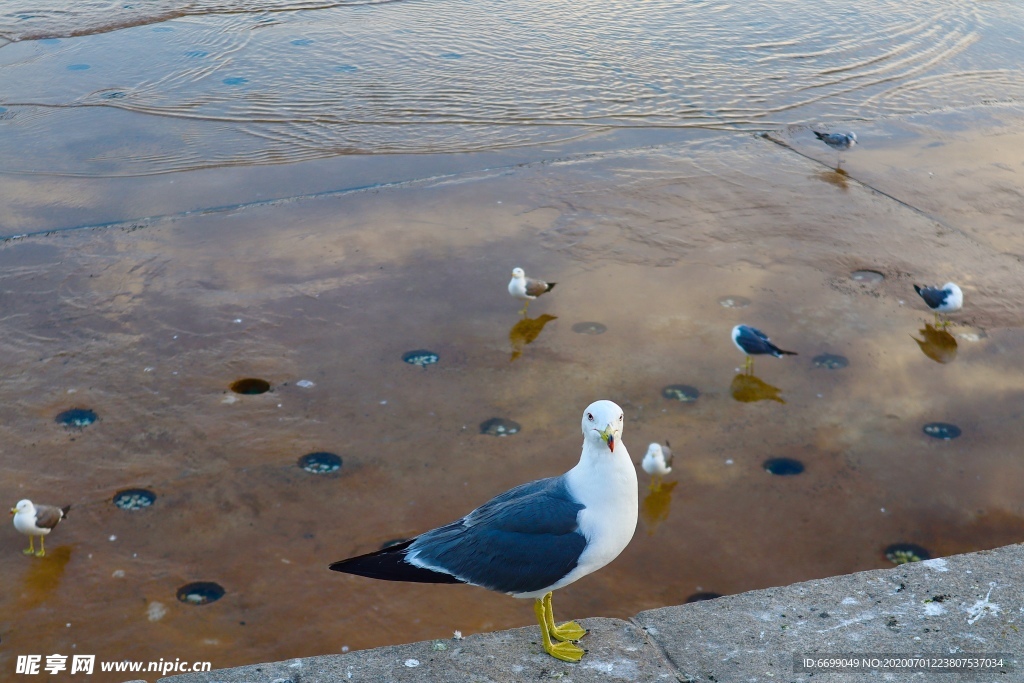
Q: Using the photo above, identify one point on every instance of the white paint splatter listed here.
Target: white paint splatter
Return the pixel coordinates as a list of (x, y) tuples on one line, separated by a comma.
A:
[(156, 611), (933, 609), (620, 668), (305, 384), (412, 663), (849, 601), (982, 607), (938, 564)]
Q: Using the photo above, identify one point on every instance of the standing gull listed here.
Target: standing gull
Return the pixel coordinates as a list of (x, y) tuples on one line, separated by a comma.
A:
[(526, 288), (946, 299), (535, 538), (657, 460), (837, 141), (754, 342), (37, 520)]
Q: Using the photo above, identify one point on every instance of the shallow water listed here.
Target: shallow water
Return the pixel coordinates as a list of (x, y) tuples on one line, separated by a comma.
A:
[(667, 248), (252, 86)]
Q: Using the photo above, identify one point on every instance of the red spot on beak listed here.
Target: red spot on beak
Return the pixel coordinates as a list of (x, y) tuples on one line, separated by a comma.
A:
[(611, 442)]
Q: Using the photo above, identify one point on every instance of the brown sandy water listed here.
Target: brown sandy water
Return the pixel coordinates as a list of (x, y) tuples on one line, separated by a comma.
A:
[(149, 322)]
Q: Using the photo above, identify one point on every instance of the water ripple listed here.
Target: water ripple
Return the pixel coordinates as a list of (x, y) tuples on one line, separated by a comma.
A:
[(276, 82)]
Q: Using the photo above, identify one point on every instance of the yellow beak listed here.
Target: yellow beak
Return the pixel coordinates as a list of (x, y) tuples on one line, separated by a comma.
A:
[(609, 437), (14, 511)]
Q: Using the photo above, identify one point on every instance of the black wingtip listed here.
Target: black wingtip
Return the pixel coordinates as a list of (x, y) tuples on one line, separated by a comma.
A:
[(551, 285), (64, 511), (389, 564), (917, 289), (821, 136), (789, 353)]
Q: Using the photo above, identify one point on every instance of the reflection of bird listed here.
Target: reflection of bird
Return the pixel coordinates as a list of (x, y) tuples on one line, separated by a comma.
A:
[(657, 460), (534, 538), (746, 388), (525, 331), (37, 520), (937, 344), (526, 288), (655, 505), (754, 342), (946, 299)]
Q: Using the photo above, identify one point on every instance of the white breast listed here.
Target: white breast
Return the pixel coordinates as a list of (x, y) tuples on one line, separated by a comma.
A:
[(517, 288), (25, 522), (605, 483)]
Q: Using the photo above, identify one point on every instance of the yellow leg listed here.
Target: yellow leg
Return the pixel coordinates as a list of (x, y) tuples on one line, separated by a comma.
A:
[(749, 365), (565, 651), (42, 547), (31, 549), (570, 630)]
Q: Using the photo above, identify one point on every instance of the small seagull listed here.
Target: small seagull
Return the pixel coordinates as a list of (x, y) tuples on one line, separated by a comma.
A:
[(37, 520), (946, 299), (526, 288), (838, 141), (657, 461), (754, 342)]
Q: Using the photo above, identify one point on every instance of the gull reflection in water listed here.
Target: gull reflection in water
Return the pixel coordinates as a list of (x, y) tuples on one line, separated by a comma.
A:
[(837, 177), (654, 508), (937, 344), (746, 388), (525, 331), (44, 577)]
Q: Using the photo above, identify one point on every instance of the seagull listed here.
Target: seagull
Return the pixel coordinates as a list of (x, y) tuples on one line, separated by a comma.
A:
[(534, 538), (526, 288), (37, 520), (657, 461), (837, 141), (754, 342), (945, 300)]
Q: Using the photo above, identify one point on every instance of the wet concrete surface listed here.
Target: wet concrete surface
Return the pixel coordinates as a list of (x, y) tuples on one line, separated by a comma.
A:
[(150, 326)]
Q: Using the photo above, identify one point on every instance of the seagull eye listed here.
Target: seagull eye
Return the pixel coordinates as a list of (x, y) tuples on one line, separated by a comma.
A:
[(590, 417)]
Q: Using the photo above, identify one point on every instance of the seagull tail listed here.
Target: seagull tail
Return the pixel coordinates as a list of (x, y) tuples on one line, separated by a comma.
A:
[(782, 352), (820, 136), (551, 285), (64, 511), (917, 289), (390, 564)]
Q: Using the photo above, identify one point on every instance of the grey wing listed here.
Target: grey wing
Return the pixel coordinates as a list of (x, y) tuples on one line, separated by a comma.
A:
[(47, 516), (524, 540), (933, 296), (754, 340), (537, 287)]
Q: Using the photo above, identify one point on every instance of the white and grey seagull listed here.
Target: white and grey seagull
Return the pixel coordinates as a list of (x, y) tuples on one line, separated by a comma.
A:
[(946, 299), (534, 538), (657, 460), (37, 520), (837, 141), (754, 342), (527, 288)]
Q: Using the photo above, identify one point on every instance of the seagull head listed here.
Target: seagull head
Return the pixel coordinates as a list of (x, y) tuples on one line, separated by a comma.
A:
[(853, 138), (22, 506), (602, 423), (518, 272)]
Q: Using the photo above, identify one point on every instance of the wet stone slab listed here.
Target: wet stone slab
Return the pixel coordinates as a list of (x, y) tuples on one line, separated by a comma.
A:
[(966, 604)]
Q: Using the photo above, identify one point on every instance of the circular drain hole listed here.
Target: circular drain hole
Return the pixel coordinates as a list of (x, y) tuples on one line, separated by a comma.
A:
[(868, 277), (250, 386), (76, 417), (680, 392), (783, 467), (589, 328), (320, 463), (733, 301), (499, 426), (902, 553), (830, 361), (200, 593), (701, 597), (420, 357), (393, 542), (942, 430), (134, 499)]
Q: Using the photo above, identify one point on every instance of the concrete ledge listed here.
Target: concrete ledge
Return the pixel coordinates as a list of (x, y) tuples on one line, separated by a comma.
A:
[(965, 604)]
